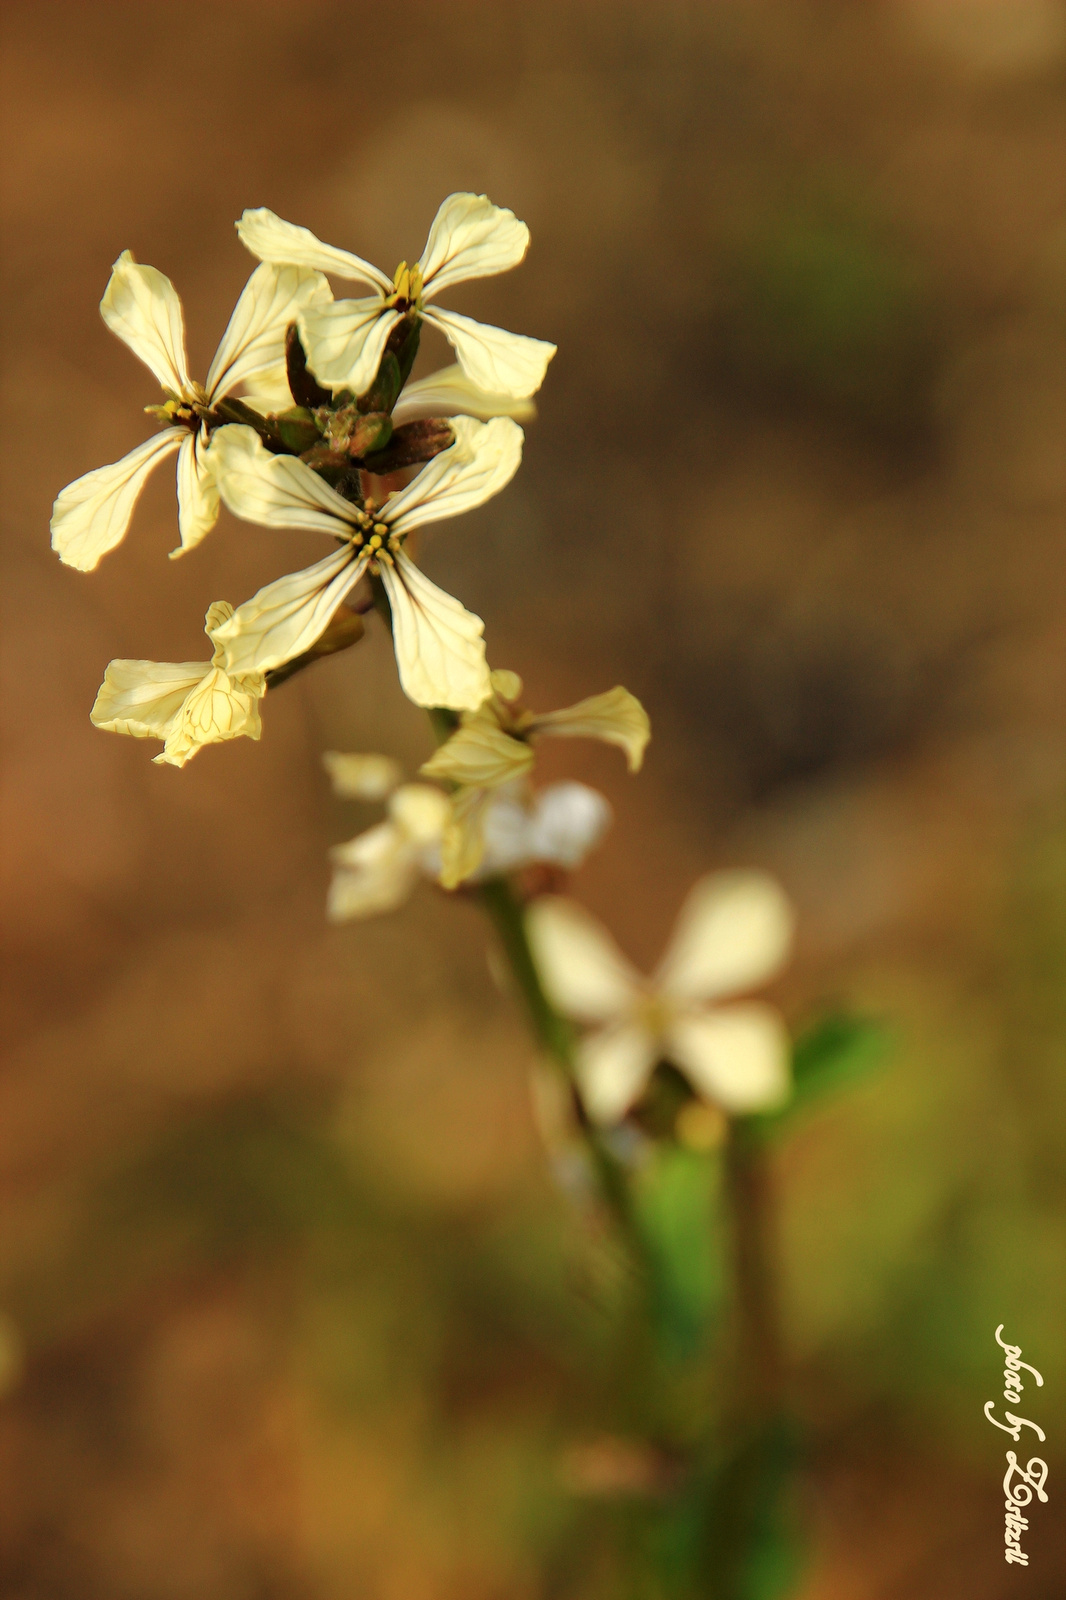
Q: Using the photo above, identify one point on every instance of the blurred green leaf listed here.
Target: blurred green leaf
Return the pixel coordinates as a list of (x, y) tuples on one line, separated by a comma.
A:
[(831, 1054), (754, 1550)]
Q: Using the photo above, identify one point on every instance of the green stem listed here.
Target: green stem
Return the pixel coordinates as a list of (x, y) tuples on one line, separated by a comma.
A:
[(759, 1356)]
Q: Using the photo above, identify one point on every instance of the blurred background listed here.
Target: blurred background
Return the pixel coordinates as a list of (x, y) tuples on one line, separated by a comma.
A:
[(289, 1307)]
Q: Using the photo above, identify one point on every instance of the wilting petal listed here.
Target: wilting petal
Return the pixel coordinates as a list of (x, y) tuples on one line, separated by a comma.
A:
[(91, 515), (254, 340), (345, 342), (738, 1056), (612, 1067), (567, 821), (141, 306), (276, 491), (144, 698), (479, 754), (286, 617), (471, 238), (483, 459), (219, 707), (374, 872), (616, 717), (440, 651), (493, 359), (583, 971), (197, 492), (271, 239), (734, 931), (361, 777), (450, 390)]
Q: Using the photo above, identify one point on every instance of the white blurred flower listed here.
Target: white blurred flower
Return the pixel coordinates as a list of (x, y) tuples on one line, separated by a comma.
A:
[(345, 340), (492, 747), (187, 704), (440, 651), (377, 870), (733, 934), (142, 307)]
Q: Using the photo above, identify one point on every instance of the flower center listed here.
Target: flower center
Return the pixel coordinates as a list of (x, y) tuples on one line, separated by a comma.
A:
[(406, 289), (377, 540)]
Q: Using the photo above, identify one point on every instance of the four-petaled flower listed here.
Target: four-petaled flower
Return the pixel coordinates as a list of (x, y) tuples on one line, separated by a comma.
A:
[(734, 933), (492, 746), (142, 307), (345, 340), (186, 703)]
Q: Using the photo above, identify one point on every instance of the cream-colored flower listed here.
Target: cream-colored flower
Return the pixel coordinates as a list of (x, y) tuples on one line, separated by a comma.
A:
[(187, 703), (345, 341), (377, 870), (440, 651), (449, 393), (142, 307), (734, 933), (492, 746)]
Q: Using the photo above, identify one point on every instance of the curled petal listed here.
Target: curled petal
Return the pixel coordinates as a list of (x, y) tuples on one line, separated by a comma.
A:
[(91, 515), (583, 971), (197, 492), (612, 1067), (254, 340), (734, 931), (219, 707), (738, 1056), (144, 698), (142, 308), (493, 359), (479, 754), (450, 390), (617, 717), (345, 341), (276, 491), (483, 459), (471, 238), (286, 617), (362, 777), (271, 239), (440, 651)]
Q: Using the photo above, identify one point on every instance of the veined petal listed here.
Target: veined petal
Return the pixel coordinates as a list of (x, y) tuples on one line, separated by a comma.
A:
[(144, 698), (254, 340), (583, 971), (440, 651), (141, 306), (616, 717), (91, 515), (286, 617), (362, 777), (463, 842), (373, 872), (493, 359), (276, 491), (483, 459), (471, 238), (219, 707), (734, 931), (612, 1067), (270, 392), (271, 239), (448, 391), (345, 341), (567, 821), (738, 1056), (197, 492), (479, 754)]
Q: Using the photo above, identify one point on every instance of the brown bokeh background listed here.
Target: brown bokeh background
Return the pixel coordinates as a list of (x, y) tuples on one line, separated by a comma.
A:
[(286, 1305)]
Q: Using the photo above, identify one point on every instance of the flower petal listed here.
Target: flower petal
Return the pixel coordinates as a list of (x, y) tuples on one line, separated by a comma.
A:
[(276, 491), (144, 698), (463, 843), (271, 239), (568, 820), (583, 971), (270, 392), (141, 306), (345, 341), (449, 391), (616, 717), (197, 492), (493, 359), (738, 1056), (254, 340), (734, 931), (440, 651), (91, 515), (286, 617), (421, 812), (362, 777), (612, 1067), (219, 707), (483, 459), (373, 872), (479, 754), (471, 238)]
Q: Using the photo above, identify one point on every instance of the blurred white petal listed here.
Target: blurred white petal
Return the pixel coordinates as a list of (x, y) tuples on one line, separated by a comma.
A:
[(276, 491), (583, 971), (734, 932), (449, 391), (495, 360), (440, 651), (254, 340), (738, 1056), (271, 239), (197, 492), (471, 238), (91, 515), (483, 459), (372, 873), (615, 716), (286, 617), (420, 811), (567, 821), (141, 306), (612, 1068), (362, 777), (345, 341)]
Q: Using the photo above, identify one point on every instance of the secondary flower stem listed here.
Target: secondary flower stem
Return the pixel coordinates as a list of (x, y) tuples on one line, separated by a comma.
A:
[(758, 1337)]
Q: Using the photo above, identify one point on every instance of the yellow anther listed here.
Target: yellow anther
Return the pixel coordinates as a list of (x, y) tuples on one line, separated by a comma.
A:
[(376, 542)]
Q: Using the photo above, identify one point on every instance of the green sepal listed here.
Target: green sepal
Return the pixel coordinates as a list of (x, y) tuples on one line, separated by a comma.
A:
[(297, 429), (395, 367)]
